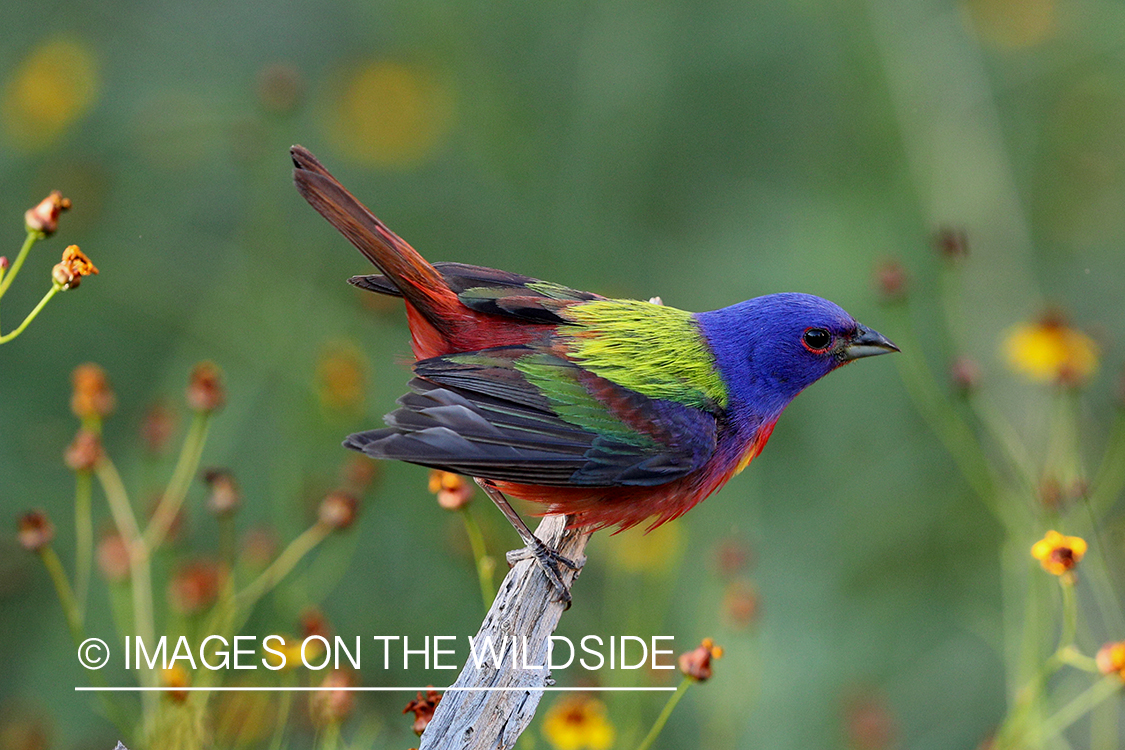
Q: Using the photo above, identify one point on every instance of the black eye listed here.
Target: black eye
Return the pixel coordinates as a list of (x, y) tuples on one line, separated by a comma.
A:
[(817, 339)]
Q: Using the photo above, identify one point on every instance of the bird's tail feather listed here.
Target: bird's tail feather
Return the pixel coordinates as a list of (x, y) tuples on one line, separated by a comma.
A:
[(420, 283)]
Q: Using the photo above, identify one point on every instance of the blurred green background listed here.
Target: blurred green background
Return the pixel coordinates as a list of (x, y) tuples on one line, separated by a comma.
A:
[(706, 152)]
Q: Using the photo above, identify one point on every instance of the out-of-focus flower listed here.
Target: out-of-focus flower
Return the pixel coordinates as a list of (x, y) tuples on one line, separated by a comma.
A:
[(84, 452), (280, 88), (578, 722), (340, 378), (195, 586), (68, 273), (657, 551), (452, 490), (423, 707), (1058, 554), (290, 650), (1051, 351), (157, 427), (952, 243), (223, 494), (259, 547), (205, 392), (964, 375), (313, 622), (387, 114), (696, 663), (733, 555), (1050, 493), (741, 603), (869, 723), (92, 396), (358, 472), (44, 217), (175, 676), (52, 88), (891, 281), (338, 510), (112, 557), (1013, 24), (35, 530), (334, 705), (1111, 659)]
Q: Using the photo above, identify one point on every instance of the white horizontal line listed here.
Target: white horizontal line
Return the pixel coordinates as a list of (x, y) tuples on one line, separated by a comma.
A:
[(359, 689)]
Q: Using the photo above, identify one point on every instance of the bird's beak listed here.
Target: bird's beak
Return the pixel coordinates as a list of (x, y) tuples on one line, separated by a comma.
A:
[(867, 343)]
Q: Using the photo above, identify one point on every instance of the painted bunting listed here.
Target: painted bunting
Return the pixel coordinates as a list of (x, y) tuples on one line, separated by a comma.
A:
[(613, 411)]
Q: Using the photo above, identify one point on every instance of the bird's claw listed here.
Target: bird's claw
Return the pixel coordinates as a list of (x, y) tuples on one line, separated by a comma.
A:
[(549, 561)]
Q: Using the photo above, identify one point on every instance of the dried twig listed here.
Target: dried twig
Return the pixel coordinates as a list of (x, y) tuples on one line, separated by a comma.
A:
[(524, 612)]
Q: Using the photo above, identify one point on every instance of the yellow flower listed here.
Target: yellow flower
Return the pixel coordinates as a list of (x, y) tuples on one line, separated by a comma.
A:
[(387, 114), (1111, 658), (52, 88), (578, 722), (453, 492), (175, 676), (1058, 554), (1051, 351)]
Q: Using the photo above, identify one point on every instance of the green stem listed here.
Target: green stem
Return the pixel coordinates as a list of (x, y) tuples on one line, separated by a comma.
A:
[(84, 538), (31, 315), (174, 494), (282, 566), (1110, 479), (30, 240), (662, 719), (329, 737), (484, 563), (286, 703), (62, 587), (1081, 705)]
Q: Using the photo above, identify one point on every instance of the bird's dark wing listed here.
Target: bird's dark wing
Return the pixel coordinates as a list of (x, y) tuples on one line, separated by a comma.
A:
[(488, 290), (522, 415)]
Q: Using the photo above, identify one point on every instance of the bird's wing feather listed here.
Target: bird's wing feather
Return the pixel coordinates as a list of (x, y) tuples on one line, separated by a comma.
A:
[(496, 292), (523, 415)]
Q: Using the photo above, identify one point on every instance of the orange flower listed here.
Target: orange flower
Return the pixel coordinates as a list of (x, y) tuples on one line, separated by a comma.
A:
[(423, 707), (92, 395), (578, 722), (453, 492), (1111, 658), (696, 663), (1051, 351), (175, 676), (74, 265), (1058, 554)]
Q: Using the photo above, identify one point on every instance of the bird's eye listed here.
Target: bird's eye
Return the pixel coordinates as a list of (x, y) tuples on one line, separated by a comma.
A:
[(816, 340)]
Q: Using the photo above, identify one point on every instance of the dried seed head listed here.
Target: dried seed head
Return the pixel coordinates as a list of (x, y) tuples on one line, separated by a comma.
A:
[(84, 452), (696, 663), (423, 707), (74, 265), (44, 218), (205, 392), (224, 495), (35, 530), (338, 510)]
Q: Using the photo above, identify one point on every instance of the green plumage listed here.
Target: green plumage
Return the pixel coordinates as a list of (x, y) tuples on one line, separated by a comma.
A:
[(652, 349)]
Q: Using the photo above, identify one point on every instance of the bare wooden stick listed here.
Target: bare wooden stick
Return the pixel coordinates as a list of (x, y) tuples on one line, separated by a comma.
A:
[(522, 617)]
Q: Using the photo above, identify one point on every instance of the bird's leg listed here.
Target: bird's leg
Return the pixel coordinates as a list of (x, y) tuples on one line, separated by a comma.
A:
[(547, 558)]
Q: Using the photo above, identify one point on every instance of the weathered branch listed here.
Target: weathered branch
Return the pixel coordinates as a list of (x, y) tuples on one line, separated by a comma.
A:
[(524, 612)]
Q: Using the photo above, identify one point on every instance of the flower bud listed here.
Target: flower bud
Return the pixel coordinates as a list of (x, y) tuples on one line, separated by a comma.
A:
[(696, 663), (333, 705), (224, 495), (92, 395), (84, 452), (35, 530), (337, 510), (205, 392), (112, 557), (891, 281), (44, 218)]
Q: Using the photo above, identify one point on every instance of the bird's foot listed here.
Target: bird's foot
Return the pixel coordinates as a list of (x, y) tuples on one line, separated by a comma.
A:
[(549, 561)]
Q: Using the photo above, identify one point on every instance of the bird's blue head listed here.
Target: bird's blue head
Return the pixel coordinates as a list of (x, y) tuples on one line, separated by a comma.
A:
[(768, 349)]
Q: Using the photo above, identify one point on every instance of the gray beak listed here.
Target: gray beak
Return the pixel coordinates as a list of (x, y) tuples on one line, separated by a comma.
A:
[(867, 343)]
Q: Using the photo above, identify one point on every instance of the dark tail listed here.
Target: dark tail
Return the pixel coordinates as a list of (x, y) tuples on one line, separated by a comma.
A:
[(421, 284)]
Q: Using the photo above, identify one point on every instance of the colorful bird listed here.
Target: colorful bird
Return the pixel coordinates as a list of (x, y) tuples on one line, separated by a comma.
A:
[(612, 411)]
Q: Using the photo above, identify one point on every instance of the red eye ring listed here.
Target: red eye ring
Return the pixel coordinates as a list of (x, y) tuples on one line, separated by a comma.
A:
[(816, 340)]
